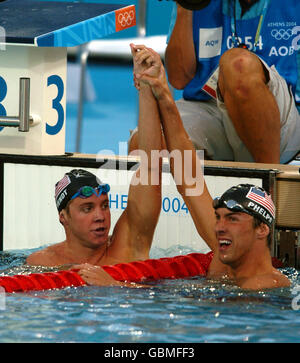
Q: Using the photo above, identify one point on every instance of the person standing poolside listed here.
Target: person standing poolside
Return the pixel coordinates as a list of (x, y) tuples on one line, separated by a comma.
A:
[(83, 206), (246, 110), (235, 226)]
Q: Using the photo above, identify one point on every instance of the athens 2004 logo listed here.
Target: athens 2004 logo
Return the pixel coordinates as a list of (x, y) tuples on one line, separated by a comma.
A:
[(282, 34)]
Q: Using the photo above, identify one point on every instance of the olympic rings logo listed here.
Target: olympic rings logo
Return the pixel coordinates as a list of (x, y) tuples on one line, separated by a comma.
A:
[(126, 19), (282, 34)]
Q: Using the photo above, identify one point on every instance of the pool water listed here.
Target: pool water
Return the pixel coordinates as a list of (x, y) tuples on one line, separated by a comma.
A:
[(171, 311)]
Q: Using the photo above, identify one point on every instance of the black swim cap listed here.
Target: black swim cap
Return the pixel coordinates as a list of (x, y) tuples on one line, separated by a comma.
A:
[(71, 183), (193, 4), (249, 199)]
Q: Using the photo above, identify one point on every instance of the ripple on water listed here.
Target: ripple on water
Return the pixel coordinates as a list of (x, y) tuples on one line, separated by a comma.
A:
[(187, 310)]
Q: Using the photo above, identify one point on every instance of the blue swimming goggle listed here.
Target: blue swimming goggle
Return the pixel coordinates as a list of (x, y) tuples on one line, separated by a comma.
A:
[(87, 191)]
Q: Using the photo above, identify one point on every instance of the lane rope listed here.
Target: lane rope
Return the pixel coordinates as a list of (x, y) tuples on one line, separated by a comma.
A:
[(182, 266)]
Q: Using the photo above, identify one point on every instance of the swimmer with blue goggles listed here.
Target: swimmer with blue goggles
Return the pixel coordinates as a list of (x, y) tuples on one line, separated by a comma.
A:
[(78, 183), (87, 191)]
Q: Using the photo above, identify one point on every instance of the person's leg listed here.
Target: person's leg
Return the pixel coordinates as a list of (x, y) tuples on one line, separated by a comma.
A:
[(203, 123), (251, 106), (289, 116)]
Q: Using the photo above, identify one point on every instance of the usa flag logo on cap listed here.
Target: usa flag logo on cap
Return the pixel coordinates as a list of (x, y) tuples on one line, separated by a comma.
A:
[(259, 196), (62, 184)]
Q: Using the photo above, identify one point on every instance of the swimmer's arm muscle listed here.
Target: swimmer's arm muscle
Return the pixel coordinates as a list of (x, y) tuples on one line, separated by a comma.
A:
[(140, 218), (144, 199)]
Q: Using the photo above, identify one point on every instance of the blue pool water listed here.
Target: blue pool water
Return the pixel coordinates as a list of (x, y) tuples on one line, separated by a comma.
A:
[(110, 109), (172, 311)]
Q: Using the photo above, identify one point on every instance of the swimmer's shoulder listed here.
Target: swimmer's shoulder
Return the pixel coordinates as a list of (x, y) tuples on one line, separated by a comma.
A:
[(273, 280), (46, 257)]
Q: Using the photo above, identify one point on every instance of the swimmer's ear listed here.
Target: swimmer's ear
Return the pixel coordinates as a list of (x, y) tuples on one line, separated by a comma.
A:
[(62, 217), (262, 231)]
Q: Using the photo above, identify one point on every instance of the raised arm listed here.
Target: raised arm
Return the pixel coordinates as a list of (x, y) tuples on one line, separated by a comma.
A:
[(191, 185), (140, 218), (180, 58)]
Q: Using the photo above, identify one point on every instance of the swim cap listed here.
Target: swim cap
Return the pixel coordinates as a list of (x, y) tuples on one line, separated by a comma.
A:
[(69, 185), (249, 199)]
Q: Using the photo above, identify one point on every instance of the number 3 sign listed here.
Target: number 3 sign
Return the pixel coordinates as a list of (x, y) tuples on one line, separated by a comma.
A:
[(46, 68)]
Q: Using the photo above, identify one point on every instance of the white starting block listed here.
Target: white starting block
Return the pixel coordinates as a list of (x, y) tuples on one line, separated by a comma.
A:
[(34, 36)]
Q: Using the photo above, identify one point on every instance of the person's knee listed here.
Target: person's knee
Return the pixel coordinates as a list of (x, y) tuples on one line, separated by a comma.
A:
[(239, 61), (240, 72)]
